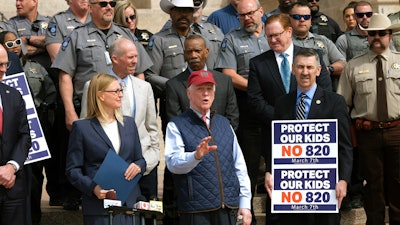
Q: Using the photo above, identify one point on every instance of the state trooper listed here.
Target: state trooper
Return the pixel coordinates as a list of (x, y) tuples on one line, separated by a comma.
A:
[(63, 23), (300, 21), (85, 53), (207, 30), (323, 24), (355, 42), (31, 27)]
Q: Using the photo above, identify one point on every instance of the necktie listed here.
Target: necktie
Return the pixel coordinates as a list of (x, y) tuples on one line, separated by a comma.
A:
[(204, 118), (196, 28), (301, 108), (1, 121), (126, 102), (381, 91), (285, 72)]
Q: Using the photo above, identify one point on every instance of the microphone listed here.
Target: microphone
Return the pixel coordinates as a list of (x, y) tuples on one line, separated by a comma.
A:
[(142, 205), (153, 204)]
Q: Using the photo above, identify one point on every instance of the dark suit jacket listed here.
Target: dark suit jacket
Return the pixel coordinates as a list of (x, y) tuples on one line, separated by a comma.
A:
[(331, 106), (16, 139), (15, 66), (88, 146), (224, 103), (265, 86)]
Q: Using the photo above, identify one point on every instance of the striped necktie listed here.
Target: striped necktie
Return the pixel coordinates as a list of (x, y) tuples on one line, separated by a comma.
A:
[(301, 108)]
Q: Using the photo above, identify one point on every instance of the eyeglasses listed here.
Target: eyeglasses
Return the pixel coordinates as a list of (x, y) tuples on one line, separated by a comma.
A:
[(103, 4), (313, 0), (381, 33), (132, 17), (116, 92), (6, 64), (298, 17), (249, 14), (12, 44), (361, 15), (276, 36)]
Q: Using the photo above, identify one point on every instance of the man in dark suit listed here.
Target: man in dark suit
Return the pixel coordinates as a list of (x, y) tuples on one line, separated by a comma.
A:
[(15, 141), (318, 104), (266, 78), (196, 53)]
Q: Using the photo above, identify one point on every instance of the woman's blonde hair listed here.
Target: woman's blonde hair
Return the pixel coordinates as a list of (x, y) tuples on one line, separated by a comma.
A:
[(119, 16), (94, 106)]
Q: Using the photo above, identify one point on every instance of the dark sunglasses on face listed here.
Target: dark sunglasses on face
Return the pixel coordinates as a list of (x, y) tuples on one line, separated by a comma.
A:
[(12, 44), (104, 4), (361, 15), (381, 33), (298, 17), (313, 0), (132, 17)]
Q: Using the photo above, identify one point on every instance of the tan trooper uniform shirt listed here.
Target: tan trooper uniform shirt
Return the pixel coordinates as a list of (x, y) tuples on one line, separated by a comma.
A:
[(358, 85)]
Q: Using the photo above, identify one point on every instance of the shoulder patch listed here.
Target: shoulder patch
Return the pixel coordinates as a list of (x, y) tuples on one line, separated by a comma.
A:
[(52, 28), (65, 43), (151, 43), (223, 44)]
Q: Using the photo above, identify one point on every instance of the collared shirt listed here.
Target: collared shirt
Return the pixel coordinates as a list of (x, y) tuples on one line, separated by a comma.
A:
[(352, 43), (61, 25), (238, 47), (85, 53), (181, 162), (310, 94), (128, 91), (330, 53), (289, 56), (358, 85)]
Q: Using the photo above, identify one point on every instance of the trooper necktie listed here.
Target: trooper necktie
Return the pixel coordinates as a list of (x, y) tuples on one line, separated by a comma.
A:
[(381, 91), (301, 108), (285, 72)]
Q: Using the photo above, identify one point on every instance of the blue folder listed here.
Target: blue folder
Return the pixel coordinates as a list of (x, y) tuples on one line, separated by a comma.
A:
[(111, 176)]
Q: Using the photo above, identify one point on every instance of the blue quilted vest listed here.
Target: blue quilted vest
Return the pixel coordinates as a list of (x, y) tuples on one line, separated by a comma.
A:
[(213, 183)]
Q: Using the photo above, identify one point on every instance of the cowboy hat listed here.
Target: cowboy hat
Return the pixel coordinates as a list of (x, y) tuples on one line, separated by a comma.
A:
[(381, 22), (167, 5)]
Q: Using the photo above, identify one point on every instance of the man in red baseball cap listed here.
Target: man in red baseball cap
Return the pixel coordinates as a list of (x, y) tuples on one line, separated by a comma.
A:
[(202, 152)]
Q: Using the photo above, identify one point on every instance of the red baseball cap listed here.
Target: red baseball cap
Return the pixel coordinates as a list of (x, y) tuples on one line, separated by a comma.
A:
[(200, 77)]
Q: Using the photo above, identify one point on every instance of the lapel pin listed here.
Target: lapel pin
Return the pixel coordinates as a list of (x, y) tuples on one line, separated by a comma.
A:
[(7, 91), (318, 102)]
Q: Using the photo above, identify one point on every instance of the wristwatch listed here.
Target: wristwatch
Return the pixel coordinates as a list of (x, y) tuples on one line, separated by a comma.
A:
[(331, 69), (28, 39)]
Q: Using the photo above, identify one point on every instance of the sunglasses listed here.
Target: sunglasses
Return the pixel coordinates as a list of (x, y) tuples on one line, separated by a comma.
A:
[(313, 0), (131, 17), (103, 4), (298, 17), (12, 44), (361, 15), (197, 3), (381, 33)]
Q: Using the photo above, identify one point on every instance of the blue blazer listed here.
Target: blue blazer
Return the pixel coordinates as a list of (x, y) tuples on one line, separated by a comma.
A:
[(88, 146), (15, 140)]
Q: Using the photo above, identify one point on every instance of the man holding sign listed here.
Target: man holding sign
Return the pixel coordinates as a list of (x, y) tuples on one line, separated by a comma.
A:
[(310, 101)]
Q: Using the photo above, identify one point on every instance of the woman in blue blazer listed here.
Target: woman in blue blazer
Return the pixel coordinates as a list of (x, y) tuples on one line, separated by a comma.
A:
[(90, 139)]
